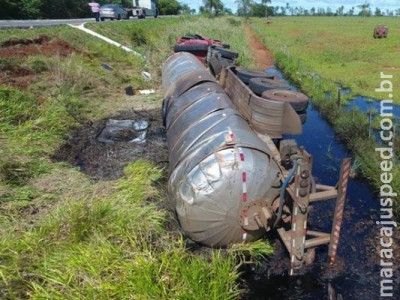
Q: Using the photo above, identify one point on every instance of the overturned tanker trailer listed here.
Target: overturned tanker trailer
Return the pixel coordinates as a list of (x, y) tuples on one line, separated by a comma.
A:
[(229, 180)]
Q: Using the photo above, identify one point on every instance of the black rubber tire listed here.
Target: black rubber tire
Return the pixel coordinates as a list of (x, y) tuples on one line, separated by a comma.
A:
[(227, 62), (189, 48), (259, 85), (164, 111), (298, 100), (102, 19), (119, 17), (246, 74), (112, 19), (303, 117), (227, 53), (215, 66)]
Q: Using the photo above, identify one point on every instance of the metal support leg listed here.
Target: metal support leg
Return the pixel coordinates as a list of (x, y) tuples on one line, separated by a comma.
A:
[(339, 208)]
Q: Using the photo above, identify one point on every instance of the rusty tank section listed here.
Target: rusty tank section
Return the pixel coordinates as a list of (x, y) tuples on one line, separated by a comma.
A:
[(230, 179)]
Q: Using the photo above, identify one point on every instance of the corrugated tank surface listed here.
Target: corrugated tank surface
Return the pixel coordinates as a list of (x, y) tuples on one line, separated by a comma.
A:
[(218, 165)]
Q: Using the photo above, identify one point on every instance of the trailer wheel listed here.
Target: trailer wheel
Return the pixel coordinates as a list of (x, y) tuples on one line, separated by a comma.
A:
[(259, 85), (102, 19), (303, 117), (245, 75), (227, 53), (189, 48), (298, 100), (215, 66), (119, 17), (164, 111)]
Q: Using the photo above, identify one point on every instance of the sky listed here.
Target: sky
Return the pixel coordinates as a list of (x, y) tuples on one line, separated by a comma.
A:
[(334, 4)]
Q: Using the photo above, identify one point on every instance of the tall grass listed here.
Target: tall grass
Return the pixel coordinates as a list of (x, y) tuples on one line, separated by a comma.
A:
[(113, 247)]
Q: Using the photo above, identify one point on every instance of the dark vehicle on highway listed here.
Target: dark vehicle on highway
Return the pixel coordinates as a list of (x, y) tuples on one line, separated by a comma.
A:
[(113, 11)]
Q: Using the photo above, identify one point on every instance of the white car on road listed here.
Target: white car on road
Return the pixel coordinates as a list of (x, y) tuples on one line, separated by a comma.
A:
[(113, 11)]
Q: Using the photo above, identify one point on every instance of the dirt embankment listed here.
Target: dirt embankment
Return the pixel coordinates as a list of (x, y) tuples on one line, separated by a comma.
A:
[(264, 57), (15, 52)]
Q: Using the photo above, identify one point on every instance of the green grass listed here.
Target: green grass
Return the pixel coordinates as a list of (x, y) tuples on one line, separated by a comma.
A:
[(64, 236), (302, 51), (111, 248), (340, 49)]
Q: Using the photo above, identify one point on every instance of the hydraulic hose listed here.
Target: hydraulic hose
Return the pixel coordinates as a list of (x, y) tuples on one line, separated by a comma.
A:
[(282, 191)]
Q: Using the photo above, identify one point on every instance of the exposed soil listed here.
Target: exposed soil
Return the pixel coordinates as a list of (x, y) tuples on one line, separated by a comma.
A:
[(107, 161), (16, 76), (42, 45), (264, 57), (20, 49)]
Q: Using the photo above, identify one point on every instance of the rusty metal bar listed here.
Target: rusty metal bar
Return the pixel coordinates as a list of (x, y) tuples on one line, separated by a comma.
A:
[(339, 208), (321, 240), (317, 233), (300, 214), (322, 187), (285, 237), (325, 195)]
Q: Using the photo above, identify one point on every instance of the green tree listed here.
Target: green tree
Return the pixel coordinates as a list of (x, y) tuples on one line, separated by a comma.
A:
[(185, 9), (244, 7), (267, 10), (228, 11), (169, 7), (30, 8), (9, 9), (257, 10), (365, 10), (378, 12), (340, 11), (213, 6)]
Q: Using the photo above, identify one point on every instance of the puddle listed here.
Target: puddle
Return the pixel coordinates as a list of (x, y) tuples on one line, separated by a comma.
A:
[(365, 104), (105, 147), (356, 275)]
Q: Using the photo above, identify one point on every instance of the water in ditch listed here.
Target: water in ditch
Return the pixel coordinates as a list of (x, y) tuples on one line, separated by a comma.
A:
[(357, 272)]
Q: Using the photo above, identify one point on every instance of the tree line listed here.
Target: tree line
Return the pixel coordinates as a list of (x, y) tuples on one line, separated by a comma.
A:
[(59, 9), (251, 8), (363, 10), (65, 9)]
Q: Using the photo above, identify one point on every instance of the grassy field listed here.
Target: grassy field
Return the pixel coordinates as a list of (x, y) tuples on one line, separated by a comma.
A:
[(64, 235), (317, 54), (340, 49)]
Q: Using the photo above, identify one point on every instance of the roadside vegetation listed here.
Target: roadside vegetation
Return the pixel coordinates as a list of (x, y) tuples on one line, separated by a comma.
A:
[(319, 55), (64, 235), (341, 50)]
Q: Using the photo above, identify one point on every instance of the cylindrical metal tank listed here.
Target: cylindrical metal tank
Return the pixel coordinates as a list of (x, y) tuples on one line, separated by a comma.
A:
[(219, 168)]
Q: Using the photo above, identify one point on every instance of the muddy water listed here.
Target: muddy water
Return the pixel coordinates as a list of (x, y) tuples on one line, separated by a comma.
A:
[(356, 274)]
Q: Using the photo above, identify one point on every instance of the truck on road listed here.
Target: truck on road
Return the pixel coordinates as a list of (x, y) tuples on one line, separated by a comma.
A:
[(142, 9)]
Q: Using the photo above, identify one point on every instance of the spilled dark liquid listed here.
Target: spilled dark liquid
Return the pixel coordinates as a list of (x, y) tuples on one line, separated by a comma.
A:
[(356, 274)]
